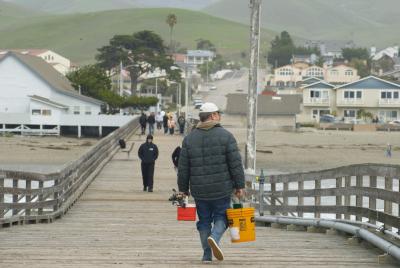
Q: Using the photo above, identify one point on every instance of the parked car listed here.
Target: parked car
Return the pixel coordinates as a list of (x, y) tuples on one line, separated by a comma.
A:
[(395, 122), (197, 105), (327, 118), (213, 87)]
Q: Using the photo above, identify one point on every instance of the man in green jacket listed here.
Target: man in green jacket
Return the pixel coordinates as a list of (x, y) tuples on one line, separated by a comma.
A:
[(210, 167)]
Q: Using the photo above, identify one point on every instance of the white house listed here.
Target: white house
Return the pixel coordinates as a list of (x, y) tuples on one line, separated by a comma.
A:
[(34, 94), (198, 57), (60, 63)]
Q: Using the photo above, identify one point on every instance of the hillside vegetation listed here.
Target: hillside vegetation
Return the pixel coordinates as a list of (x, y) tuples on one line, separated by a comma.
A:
[(367, 22), (78, 36)]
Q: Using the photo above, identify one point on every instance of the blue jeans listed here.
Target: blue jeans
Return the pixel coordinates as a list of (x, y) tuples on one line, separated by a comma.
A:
[(151, 129), (213, 211)]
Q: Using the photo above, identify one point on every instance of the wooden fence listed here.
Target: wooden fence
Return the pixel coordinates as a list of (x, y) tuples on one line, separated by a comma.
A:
[(35, 197), (355, 190)]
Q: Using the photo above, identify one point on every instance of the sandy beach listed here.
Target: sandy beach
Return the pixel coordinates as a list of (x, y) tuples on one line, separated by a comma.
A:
[(310, 149), (41, 154)]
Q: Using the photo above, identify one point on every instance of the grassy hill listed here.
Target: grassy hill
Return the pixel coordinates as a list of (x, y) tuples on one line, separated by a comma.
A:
[(83, 6), (78, 36), (367, 22), (11, 14)]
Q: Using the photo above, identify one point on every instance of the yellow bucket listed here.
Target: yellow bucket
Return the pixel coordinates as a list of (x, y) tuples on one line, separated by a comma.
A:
[(241, 224)]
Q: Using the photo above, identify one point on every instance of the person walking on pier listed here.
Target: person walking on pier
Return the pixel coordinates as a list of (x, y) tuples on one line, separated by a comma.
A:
[(159, 120), (151, 120), (148, 154), (165, 123), (181, 123), (143, 123), (211, 167)]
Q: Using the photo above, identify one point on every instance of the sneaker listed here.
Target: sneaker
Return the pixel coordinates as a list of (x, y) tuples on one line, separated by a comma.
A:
[(144, 188), (216, 250), (207, 256), (150, 190)]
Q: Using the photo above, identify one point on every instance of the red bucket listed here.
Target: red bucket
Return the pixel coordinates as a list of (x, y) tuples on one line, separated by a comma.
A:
[(187, 213)]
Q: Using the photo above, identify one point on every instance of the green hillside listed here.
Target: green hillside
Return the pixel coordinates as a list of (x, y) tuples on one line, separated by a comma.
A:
[(10, 14), (367, 22), (78, 36)]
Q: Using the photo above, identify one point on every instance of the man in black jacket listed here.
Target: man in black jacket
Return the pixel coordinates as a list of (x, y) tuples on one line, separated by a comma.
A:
[(148, 154), (151, 120), (211, 167), (143, 122)]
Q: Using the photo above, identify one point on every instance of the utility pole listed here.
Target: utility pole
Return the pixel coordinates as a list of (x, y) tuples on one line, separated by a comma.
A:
[(186, 95), (250, 161), (121, 80), (157, 94)]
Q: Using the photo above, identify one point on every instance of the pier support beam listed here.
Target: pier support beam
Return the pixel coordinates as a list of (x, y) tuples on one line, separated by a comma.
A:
[(100, 131), (79, 132)]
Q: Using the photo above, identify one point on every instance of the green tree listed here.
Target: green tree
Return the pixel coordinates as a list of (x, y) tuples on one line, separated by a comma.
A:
[(204, 44), (171, 21), (141, 53), (361, 66), (150, 84), (355, 53), (142, 103), (91, 79), (213, 66), (282, 48)]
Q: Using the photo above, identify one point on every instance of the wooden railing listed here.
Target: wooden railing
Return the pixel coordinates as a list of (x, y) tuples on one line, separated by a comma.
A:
[(355, 192), (27, 197)]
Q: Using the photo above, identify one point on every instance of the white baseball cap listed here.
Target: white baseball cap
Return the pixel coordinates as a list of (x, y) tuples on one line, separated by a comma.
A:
[(208, 107)]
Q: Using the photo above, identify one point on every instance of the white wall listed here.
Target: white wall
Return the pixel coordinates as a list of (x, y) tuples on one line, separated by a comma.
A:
[(17, 82)]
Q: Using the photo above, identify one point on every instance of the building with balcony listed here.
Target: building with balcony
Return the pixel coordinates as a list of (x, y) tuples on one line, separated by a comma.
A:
[(318, 99), (198, 57)]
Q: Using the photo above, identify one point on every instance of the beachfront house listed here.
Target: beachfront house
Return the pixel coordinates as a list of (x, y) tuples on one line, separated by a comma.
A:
[(36, 98), (372, 94), (319, 98), (198, 57)]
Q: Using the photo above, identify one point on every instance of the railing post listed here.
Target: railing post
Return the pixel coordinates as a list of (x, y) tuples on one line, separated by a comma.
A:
[(56, 194), (1, 195), (28, 197), (285, 198), (15, 196), (317, 199), (347, 183), (388, 207), (300, 199), (261, 182), (372, 200), (273, 200), (40, 209), (359, 197), (338, 197)]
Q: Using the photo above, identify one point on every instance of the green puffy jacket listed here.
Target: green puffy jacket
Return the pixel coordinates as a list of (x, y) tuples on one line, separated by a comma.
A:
[(210, 164)]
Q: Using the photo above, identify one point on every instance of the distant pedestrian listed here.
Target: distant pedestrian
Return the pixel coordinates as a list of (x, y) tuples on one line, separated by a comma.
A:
[(143, 123), (148, 154), (175, 157), (151, 120), (171, 125), (159, 120), (181, 123), (389, 150), (165, 123)]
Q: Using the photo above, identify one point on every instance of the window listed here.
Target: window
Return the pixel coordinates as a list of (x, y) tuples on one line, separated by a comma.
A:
[(286, 71), (350, 113), (348, 72), (88, 110), (36, 112), (335, 72), (352, 94), (388, 115), (395, 95), (76, 110), (315, 94), (46, 112), (314, 71)]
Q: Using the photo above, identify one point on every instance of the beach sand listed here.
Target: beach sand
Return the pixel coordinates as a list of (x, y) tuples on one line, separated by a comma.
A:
[(41, 154), (309, 149)]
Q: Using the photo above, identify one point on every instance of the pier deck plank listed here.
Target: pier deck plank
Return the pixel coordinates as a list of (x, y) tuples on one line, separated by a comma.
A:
[(116, 224)]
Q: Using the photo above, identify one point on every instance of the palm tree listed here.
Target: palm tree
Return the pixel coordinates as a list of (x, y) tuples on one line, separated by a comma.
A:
[(171, 21)]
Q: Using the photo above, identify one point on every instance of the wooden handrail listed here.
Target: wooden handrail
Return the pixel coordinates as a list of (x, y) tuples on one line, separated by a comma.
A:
[(38, 204), (347, 193)]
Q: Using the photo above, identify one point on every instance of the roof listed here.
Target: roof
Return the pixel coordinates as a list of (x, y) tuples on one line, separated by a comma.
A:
[(200, 53), (178, 57), (319, 84), (48, 101), (283, 105), (310, 80), (46, 72), (29, 51), (389, 51), (370, 82)]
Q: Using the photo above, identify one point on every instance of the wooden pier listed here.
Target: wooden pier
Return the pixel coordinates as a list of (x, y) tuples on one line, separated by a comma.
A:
[(115, 224)]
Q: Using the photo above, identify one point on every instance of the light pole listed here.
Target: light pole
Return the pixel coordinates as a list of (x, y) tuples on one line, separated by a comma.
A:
[(250, 161)]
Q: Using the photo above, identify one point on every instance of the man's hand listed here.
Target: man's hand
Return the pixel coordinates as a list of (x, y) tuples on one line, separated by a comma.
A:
[(239, 193)]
